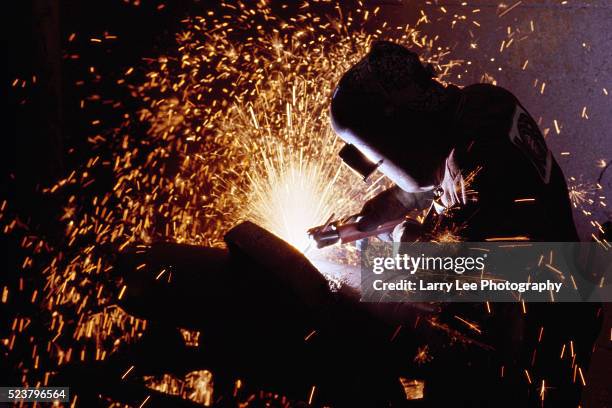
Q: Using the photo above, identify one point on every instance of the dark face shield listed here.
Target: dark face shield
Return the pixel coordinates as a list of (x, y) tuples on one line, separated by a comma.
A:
[(358, 161)]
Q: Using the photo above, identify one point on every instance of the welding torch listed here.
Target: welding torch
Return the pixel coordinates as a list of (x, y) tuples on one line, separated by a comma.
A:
[(346, 230)]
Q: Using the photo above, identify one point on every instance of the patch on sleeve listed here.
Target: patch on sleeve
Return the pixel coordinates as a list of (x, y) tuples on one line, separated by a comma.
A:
[(525, 134)]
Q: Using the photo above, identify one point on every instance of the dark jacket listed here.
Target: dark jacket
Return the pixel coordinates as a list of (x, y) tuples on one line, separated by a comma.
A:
[(517, 187)]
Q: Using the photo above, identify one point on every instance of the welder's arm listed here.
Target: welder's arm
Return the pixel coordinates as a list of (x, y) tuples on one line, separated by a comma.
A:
[(510, 199), (391, 204)]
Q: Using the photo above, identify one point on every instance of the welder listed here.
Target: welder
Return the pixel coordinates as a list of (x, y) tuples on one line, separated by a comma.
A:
[(475, 152), (477, 161)]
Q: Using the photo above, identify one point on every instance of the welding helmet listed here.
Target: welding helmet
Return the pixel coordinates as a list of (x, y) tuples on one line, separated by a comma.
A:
[(393, 116)]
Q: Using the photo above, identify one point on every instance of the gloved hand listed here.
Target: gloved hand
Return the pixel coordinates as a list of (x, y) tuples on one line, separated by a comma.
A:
[(390, 205)]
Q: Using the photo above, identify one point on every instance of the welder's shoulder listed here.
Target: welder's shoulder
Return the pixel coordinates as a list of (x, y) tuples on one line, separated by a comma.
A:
[(501, 136), (488, 122), (488, 93), (486, 108)]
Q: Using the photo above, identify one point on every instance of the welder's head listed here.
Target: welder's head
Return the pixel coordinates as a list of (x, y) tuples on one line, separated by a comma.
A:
[(394, 116)]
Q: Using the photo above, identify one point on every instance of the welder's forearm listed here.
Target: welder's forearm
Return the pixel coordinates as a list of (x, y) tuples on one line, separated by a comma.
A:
[(413, 201), (350, 232)]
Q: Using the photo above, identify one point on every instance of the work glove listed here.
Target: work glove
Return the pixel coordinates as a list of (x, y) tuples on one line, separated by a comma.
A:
[(392, 204)]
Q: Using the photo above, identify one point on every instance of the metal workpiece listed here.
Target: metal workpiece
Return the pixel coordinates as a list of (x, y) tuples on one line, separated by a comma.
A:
[(266, 316), (271, 255)]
